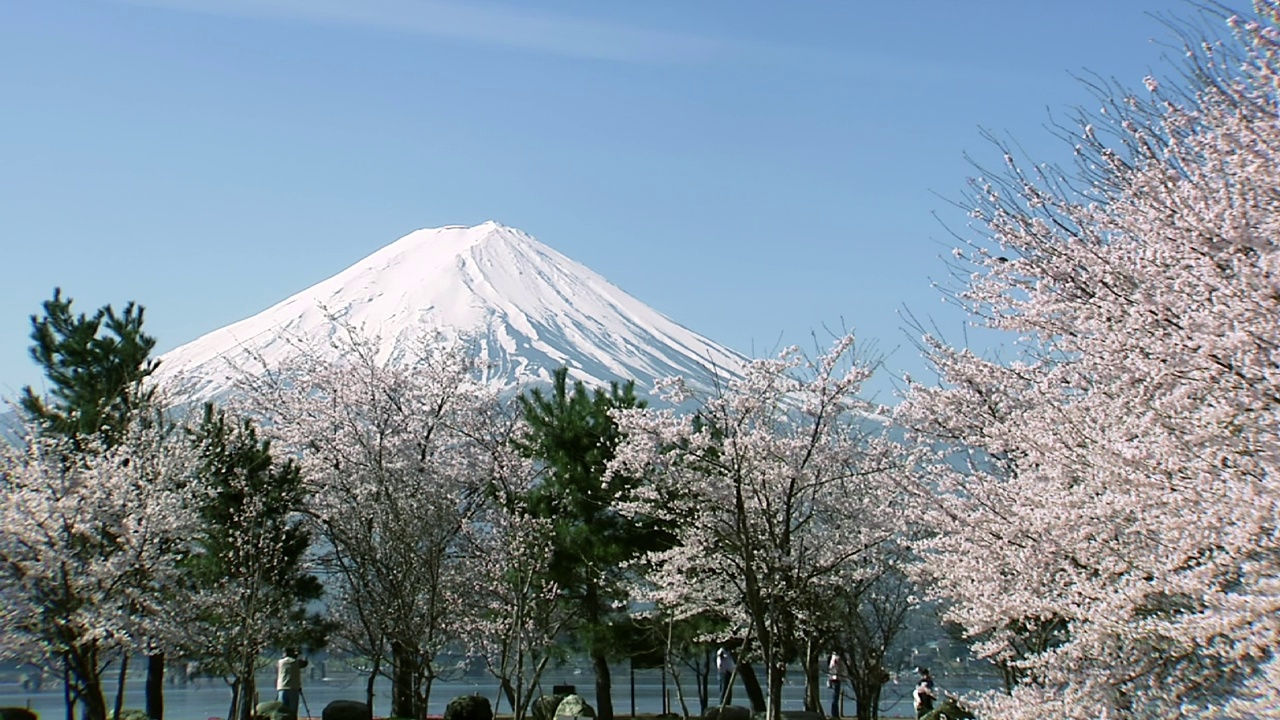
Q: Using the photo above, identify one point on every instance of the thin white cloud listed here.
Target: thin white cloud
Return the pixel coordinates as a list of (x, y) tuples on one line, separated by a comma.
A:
[(473, 21)]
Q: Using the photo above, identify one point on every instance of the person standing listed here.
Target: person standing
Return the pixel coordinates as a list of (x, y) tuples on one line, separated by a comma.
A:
[(836, 673), (289, 680), (924, 694), (725, 666)]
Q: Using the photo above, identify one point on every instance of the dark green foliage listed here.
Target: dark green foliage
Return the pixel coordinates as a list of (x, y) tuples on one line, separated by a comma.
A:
[(17, 713), (254, 498), (949, 709), (346, 710), (95, 366), (468, 707), (133, 715), (795, 715), (253, 543), (728, 712), (573, 436)]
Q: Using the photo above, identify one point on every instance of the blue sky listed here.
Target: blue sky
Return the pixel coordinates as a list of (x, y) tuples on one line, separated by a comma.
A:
[(755, 169)]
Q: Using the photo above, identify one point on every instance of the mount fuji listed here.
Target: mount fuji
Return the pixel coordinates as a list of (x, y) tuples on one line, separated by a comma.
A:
[(530, 308)]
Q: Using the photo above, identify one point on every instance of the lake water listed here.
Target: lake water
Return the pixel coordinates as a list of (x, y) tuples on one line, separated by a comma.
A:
[(211, 698)]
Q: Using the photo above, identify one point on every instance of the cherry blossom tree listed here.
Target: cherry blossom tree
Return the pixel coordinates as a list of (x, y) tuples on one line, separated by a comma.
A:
[(511, 611), (90, 539), (862, 620), (519, 614), (1105, 502), (396, 478), (688, 647), (778, 485)]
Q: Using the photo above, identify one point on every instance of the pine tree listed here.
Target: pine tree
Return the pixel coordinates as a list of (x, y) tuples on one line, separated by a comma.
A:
[(572, 433), (248, 562), (96, 367)]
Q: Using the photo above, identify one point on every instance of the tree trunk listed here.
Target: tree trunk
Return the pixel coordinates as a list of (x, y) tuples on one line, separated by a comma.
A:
[(155, 686), (235, 698), (86, 683), (867, 682), (66, 688), (402, 674), (777, 670), (863, 696), (527, 690), (751, 683), (244, 689), (373, 677), (812, 686), (505, 689), (604, 686), (120, 680), (704, 681), (424, 697), (250, 695), (250, 700)]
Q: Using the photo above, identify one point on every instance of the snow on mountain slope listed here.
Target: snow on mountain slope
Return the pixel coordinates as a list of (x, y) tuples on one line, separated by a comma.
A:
[(532, 308)]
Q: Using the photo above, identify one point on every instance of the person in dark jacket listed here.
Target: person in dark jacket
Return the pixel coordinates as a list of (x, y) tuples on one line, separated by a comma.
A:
[(924, 695)]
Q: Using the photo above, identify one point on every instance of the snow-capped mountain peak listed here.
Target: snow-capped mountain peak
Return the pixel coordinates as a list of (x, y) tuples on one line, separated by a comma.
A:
[(532, 308)]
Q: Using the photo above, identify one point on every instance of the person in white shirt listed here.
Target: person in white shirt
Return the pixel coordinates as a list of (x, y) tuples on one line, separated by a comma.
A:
[(725, 666), (836, 674), (289, 680)]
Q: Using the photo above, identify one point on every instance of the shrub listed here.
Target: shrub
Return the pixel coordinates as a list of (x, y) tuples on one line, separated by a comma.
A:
[(468, 707), (17, 713), (272, 710), (575, 706), (346, 710), (949, 709), (544, 708)]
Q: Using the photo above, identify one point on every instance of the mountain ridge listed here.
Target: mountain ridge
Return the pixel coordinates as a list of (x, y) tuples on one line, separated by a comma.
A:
[(530, 307)]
